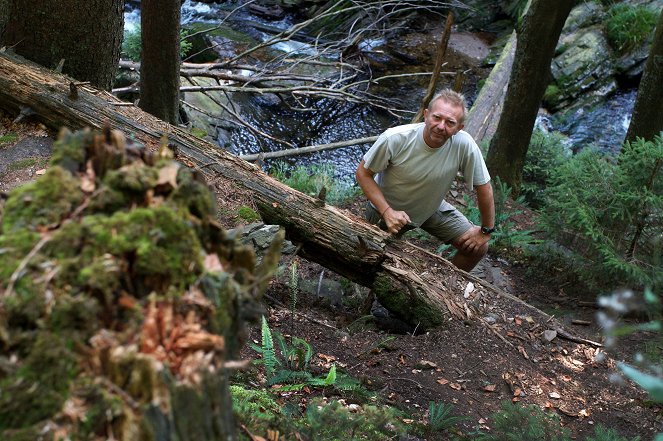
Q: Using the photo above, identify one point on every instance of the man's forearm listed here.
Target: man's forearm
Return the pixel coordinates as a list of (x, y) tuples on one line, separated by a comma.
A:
[(371, 189), (486, 204)]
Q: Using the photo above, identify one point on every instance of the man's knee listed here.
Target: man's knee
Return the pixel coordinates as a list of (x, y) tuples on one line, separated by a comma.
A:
[(476, 253)]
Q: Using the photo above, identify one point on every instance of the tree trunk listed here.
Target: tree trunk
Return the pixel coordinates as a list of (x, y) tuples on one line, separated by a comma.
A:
[(647, 118), (419, 287), (86, 34), (160, 59), (537, 38)]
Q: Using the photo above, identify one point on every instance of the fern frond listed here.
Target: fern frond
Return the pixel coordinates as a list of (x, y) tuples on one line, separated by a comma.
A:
[(268, 354)]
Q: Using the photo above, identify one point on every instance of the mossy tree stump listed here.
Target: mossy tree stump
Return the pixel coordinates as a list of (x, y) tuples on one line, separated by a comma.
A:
[(122, 302)]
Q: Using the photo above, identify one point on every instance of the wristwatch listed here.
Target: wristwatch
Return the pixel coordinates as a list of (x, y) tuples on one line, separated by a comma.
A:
[(486, 230)]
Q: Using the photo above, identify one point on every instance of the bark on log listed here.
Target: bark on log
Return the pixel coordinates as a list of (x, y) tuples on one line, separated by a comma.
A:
[(420, 288), (485, 113)]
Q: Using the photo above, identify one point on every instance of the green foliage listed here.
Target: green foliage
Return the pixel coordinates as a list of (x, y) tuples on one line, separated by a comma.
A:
[(312, 179), (505, 235), (440, 418), (291, 364), (335, 422), (524, 423), (607, 214), (628, 26), (293, 285), (248, 214), (132, 47), (22, 164), (514, 8), (648, 373), (603, 434), (8, 138), (546, 152)]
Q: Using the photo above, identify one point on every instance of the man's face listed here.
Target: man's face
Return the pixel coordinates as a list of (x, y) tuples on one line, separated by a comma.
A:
[(441, 122)]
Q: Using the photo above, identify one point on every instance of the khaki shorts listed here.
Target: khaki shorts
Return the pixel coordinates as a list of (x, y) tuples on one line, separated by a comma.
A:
[(446, 224)]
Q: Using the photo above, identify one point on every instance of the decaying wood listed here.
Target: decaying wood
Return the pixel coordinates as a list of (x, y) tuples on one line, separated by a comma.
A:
[(483, 117)]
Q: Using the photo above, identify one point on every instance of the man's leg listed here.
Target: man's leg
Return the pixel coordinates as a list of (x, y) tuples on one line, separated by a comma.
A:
[(448, 224), (468, 260)]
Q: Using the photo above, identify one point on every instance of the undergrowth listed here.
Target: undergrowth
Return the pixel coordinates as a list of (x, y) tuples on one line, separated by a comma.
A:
[(312, 179), (132, 46), (629, 26), (605, 215)]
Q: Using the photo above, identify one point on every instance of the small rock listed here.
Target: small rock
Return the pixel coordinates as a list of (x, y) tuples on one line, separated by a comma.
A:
[(549, 335)]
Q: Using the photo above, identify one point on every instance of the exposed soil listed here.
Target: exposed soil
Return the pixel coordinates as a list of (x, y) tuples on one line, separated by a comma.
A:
[(474, 364)]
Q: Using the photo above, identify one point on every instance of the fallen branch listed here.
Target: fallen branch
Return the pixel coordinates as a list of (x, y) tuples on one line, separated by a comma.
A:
[(310, 149)]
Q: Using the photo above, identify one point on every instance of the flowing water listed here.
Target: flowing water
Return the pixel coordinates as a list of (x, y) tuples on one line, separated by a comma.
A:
[(603, 126)]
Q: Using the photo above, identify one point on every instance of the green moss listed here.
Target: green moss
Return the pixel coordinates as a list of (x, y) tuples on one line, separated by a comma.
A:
[(21, 164), (162, 247), (248, 214), (12, 248), (134, 179), (193, 194), (8, 138), (198, 132), (46, 201), (69, 149), (34, 393), (414, 311), (552, 96)]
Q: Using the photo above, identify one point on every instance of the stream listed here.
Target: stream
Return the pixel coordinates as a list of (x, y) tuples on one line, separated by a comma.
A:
[(603, 126)]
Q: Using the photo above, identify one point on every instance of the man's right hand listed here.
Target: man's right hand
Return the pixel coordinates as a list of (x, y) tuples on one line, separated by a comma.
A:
[(395, 220)]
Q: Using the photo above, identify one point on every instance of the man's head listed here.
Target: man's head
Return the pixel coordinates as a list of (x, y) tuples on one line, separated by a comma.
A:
[(444, 117)]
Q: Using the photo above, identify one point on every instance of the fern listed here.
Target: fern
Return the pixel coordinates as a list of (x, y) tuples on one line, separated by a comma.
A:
[(267, 350), (440, 417)]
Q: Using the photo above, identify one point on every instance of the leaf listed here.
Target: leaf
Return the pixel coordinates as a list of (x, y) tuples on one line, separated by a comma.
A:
[(442, 380), (490, 388), (425, 364), (327, 358), (653, 385), (455, 386), (554, 395)]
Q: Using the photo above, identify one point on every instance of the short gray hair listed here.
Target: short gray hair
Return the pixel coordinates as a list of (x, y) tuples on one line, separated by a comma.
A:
[(452, 97)]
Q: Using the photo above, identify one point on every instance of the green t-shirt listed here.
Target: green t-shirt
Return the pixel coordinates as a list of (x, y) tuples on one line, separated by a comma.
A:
[(415, 177)]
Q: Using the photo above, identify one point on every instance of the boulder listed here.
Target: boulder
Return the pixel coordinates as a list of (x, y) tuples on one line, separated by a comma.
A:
[(582, 69)]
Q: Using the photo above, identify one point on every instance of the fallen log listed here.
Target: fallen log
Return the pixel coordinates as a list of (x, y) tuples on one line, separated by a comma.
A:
[(420, 289)]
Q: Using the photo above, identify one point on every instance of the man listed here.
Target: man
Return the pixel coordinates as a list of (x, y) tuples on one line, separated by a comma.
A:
[(415, 166)]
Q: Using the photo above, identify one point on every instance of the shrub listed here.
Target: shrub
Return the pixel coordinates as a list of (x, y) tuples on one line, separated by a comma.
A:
[(607, 214), (629, 26), (312, 179), (545, 154), (524, 423), (505, 235), (131, 45), (334, 421)]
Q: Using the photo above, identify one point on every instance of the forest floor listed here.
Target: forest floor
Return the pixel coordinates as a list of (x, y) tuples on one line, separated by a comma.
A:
[(463, 363)]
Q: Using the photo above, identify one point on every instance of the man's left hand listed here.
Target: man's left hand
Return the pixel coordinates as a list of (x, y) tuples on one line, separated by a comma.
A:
[(472, 241)]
